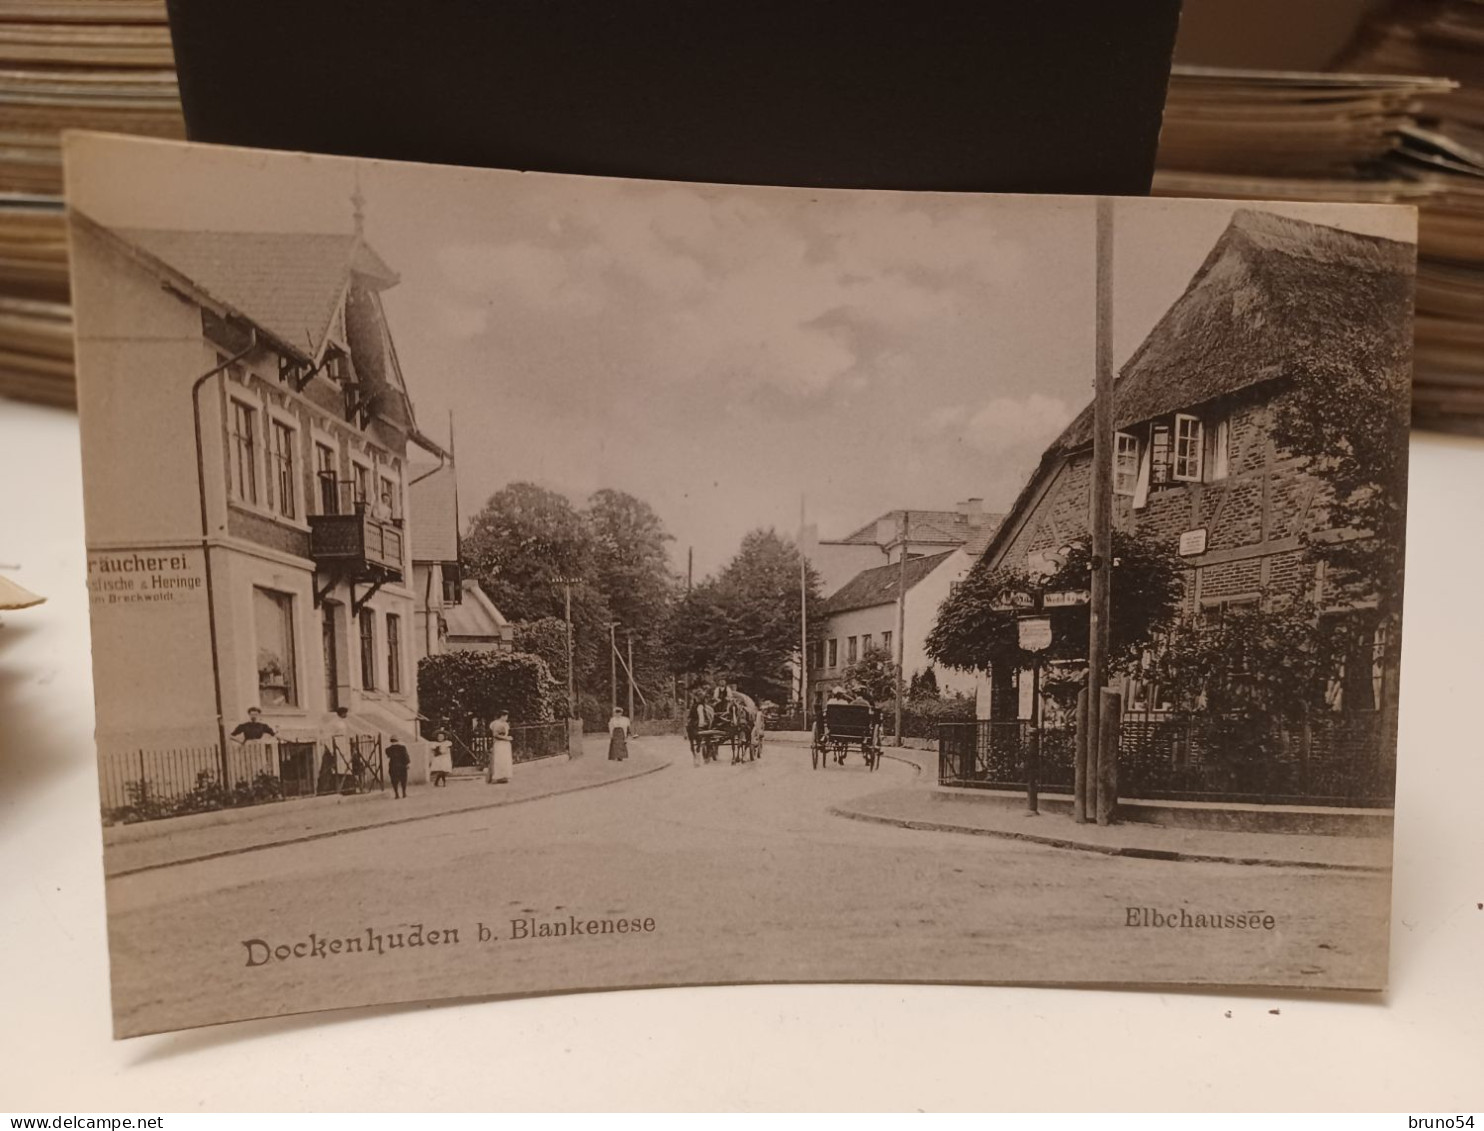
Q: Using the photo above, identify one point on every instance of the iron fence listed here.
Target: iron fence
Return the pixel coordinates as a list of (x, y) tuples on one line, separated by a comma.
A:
[(148, 785), (530, 742), (1339, 759)]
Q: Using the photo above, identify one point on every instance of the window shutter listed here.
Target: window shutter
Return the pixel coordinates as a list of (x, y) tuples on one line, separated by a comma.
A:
[(1141, 486), (1218, 460), (1160, 458)]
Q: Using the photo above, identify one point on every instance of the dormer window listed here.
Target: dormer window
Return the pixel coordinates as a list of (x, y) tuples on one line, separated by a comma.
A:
[(334, 367), (1190, 449), (1125, 463), (1183, 448)]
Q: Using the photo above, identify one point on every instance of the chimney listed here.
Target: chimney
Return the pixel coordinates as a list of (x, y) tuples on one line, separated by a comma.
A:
[(971, 508)]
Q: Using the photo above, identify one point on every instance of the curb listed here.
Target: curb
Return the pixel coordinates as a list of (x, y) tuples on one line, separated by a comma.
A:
[(307, 837), (1104, 849)]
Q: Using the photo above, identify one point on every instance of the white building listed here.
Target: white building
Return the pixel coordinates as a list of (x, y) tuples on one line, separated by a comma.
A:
[(258, 553)]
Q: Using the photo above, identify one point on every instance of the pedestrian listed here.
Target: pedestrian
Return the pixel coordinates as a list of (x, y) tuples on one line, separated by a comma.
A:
[(254, 729), (397, 762), (441, 764), (618, 736), (502, 752)]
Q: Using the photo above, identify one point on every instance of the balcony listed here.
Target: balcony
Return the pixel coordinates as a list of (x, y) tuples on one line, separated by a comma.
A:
[(356, 546)]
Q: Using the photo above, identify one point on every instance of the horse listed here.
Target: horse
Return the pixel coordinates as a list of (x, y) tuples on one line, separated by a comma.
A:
[(699, 719), (745, 724)]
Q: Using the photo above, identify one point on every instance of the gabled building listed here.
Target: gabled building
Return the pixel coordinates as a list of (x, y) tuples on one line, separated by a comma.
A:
[(1196, 466), (861, 612), (926, 532), (260, 556)]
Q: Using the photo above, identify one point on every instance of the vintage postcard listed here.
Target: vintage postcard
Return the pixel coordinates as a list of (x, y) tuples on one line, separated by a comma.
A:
[(508, 583)]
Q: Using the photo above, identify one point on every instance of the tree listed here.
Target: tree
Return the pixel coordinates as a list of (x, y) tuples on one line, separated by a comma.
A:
[(874, 675), (972, 634), (521, 543), (631, 565), (630, 557), (744, 623), (1349, 417), (924, 684)]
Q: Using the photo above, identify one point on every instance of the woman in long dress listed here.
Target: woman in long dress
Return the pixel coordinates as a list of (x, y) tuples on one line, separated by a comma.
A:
[(502, 753), (618, 736)]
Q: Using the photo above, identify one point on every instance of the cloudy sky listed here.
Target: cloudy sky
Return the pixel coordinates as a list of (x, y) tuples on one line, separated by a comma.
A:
[(721, 352)]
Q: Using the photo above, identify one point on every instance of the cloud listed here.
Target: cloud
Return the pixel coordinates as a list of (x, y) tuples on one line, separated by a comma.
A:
[(742, 291), (1008, 426)]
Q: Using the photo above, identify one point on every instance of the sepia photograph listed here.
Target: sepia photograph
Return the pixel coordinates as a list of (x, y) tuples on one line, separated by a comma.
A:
[(513, 583)]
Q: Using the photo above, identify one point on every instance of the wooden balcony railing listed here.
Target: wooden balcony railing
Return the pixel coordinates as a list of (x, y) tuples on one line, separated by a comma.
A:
[(357, 545)]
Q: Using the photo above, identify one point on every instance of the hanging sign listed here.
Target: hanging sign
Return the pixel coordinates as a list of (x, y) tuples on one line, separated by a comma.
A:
[(1065, 598), (1035, 633), (1012, 599)]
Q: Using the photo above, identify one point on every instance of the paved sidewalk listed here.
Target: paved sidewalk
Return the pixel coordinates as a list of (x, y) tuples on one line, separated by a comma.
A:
[(919, 808), (160, 844)]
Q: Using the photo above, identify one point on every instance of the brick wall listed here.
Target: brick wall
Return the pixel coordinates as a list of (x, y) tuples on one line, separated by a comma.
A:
[(1253, 517)]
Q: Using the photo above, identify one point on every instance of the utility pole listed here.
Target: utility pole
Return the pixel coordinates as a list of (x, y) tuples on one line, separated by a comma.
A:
[(803, 620), (1100, 773), (566, 584), (902, 616), (629, 669), (613, 661)]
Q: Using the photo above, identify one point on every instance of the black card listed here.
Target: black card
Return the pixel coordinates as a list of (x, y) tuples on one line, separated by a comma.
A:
[(1058, 96)]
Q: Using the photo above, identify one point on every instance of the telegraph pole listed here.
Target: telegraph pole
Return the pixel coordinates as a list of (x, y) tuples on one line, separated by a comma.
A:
[(803, 620), (613, 661), (902, 616), (566, 584), (1100, 776), (629, 669)]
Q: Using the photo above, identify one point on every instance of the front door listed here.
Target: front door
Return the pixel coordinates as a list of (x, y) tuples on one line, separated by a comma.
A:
[(332, 670)]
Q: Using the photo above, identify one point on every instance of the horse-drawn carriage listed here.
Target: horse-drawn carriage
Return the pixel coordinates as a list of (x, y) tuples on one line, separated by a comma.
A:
[(846, 727), (735, 723)]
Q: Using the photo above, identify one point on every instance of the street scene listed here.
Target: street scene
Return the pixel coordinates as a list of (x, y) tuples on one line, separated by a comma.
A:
[(591, 584), (747, 877)]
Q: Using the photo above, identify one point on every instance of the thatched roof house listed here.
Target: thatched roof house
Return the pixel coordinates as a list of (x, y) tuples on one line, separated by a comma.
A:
[(1275, 297)]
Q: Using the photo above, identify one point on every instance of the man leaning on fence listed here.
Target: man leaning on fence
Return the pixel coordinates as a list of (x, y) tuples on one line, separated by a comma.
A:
[(254, 729)]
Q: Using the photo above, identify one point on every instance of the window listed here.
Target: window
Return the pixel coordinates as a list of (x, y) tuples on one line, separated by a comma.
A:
[(866, 644), (834, 653), (362, 483), (368, 649), (282, 457), (244, 452), (387, 496), (393, 653), (273, 623), (1159, 448), (1125, 464), (453, 593), (886, 643), (850, 650), (324, 462), (1189, 448)]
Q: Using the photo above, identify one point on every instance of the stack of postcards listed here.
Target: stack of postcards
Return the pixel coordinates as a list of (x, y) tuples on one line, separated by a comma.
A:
[(1351, 136), (64, 64)]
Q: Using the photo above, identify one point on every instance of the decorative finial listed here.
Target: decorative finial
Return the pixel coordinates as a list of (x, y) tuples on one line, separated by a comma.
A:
[(358, 204)]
